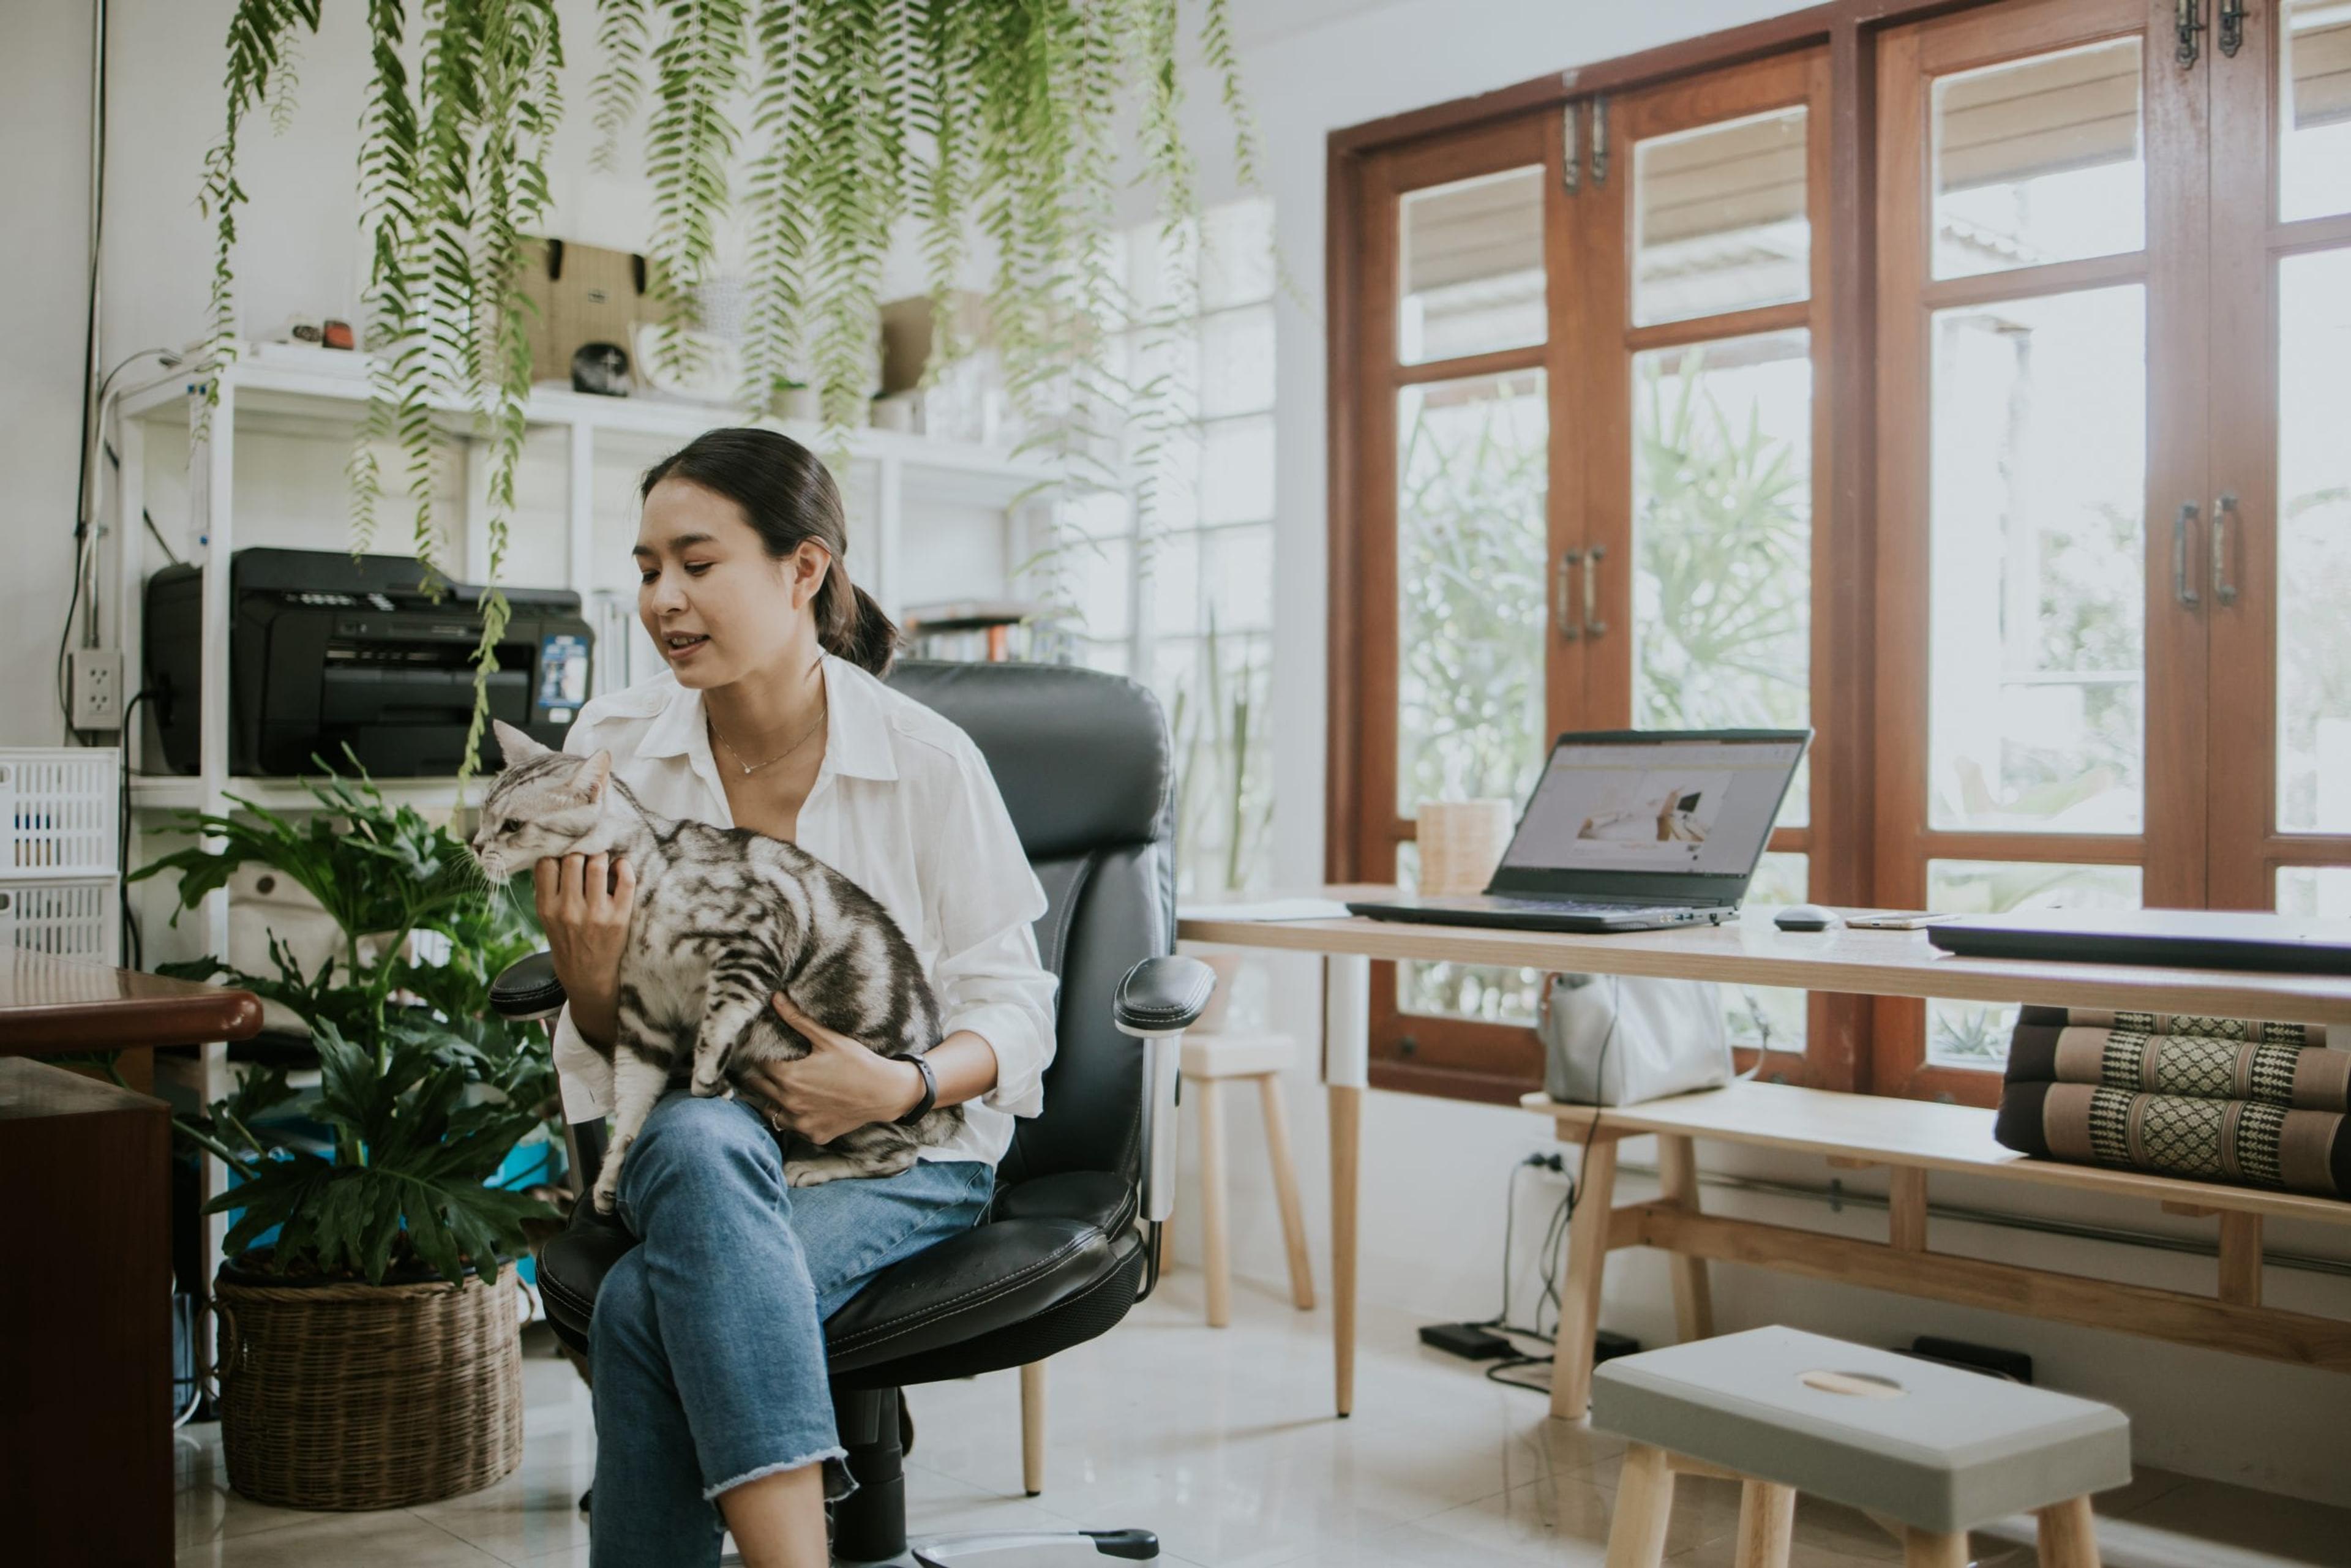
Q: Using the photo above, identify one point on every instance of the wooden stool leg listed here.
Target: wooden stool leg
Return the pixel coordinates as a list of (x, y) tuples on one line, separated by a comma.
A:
[(1934, 1549), (1033, 1428), (1767, 1524), (1645, 1506), (1580, 1273), (1214, 1243), (2069, 1538), (1693, 1294), (1285, 1190)]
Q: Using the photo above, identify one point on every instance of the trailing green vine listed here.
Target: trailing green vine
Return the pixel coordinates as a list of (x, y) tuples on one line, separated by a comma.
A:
[(998, 120)]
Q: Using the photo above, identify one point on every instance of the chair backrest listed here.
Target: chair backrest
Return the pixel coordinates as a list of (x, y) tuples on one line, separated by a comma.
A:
[(1085, 763)]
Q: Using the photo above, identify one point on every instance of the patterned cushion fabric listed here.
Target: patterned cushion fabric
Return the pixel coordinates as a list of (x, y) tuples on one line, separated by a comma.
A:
[(2245, 1101), (2234, 1141)]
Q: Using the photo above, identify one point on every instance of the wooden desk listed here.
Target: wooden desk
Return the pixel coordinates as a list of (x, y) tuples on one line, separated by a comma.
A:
[(85, 1245), (1752, 951)]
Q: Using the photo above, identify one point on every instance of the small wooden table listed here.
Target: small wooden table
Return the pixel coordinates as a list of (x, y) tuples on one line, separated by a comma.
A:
[(1751, 951), (86, 1249)]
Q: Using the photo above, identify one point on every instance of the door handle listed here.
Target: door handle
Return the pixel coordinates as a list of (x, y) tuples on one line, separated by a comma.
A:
[(1592, 625), (1563, 612), (2224, 507), (2187, 596)]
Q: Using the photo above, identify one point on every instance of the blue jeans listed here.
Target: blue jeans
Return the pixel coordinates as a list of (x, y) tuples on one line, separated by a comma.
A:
[(707, 1344)]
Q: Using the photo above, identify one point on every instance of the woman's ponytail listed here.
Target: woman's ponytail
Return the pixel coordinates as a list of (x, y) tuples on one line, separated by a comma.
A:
[(851, 625)]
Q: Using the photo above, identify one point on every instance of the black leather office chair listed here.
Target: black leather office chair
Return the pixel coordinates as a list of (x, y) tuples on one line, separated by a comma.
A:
[(1082, 759)]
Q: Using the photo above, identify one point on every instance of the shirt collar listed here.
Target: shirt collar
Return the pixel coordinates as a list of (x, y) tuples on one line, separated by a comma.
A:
[(856, 729)]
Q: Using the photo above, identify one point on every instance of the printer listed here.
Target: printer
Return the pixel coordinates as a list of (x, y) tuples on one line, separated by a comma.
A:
[(328, 650)]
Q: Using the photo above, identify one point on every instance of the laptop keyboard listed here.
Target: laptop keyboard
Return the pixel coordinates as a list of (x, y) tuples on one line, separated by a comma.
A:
[(1587, 906)]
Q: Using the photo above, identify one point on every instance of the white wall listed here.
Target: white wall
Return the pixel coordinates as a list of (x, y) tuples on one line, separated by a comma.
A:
[(1434, 1171)]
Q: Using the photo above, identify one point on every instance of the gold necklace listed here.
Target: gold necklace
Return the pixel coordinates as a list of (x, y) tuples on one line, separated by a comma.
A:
[(823, 711)]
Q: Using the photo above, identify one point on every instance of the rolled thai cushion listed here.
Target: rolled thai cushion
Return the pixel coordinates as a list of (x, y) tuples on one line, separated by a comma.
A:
[(2233, 1141), (2285, 1065)]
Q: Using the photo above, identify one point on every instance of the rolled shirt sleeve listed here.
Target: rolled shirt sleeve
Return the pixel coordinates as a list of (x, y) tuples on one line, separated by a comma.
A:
[(985, 902)]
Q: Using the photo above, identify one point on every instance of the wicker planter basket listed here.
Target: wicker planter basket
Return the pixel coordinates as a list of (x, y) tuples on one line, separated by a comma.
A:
[(351, 1396)]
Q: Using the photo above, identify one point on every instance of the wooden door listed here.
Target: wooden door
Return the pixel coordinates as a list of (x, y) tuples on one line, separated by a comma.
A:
[(2042, 359)]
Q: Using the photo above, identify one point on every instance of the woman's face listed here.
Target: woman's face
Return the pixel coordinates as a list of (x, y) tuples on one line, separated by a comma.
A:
[(715, 602)]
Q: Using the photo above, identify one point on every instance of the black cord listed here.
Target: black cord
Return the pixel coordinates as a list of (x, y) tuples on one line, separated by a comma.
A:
[(1555, 1236), (88, 361), (134, 944)]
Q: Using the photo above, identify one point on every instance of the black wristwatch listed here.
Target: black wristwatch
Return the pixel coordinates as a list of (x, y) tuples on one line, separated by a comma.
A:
[(930, 1093)]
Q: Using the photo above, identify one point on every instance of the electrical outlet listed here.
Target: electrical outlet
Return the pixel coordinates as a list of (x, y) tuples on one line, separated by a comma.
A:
[(95, 676)]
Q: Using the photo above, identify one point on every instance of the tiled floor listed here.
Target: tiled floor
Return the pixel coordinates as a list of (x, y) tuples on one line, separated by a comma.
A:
[(1222, 1442)]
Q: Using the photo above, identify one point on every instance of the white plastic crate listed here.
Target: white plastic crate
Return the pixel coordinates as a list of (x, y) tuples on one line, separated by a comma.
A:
[(57, 811), (65, 919)]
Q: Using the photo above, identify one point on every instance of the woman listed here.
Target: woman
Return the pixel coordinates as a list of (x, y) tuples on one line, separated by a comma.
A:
[(708, 1342)]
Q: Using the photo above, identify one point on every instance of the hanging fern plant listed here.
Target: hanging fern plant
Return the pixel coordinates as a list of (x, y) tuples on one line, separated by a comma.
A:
[(817, 126)]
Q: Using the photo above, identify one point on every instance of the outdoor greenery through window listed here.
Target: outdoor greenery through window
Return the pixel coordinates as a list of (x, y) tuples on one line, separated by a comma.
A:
[(1173, 577)]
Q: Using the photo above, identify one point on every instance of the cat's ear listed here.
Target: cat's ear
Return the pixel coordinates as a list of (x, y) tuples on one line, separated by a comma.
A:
[(514, 746), (594, 774)]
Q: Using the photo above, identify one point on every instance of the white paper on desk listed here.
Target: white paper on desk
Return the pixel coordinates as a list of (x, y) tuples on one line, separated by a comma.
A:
[(1267, 909)]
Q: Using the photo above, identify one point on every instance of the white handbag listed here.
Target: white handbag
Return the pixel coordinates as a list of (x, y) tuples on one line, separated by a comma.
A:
[(1613, 1040)]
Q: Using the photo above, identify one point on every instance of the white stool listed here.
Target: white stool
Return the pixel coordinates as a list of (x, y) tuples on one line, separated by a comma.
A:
[(1929, 1451), (1208, 1061)]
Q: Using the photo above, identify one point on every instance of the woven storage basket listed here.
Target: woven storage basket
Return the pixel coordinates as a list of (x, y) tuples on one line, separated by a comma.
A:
[(360, 1397)]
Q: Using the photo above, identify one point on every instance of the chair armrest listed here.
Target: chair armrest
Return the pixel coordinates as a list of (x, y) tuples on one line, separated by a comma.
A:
[(527, 989), (1157, 1001), (1162, 996)]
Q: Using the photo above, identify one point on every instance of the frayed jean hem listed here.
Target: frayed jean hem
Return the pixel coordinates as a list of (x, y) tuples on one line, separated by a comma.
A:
[(838, 1483)]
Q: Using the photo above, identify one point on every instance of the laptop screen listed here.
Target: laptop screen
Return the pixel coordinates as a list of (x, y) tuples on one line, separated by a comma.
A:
[(1613, 812)]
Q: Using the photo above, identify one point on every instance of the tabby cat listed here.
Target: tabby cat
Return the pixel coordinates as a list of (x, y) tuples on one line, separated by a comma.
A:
[(724, 918)]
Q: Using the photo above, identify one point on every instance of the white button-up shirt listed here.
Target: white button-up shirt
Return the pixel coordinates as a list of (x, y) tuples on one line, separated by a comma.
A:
[(904, 806)]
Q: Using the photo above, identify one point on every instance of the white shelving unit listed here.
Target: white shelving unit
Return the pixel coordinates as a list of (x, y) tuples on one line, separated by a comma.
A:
[(892, 479)]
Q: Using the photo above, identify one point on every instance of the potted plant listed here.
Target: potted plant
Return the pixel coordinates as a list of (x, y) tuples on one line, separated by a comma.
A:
[(369, 1353)]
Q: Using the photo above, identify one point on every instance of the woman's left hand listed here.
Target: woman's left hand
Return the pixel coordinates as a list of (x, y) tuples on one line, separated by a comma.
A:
[(839, 1087)]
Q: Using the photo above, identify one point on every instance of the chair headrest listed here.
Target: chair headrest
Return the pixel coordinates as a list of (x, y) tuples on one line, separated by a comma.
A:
[(1082, 757)]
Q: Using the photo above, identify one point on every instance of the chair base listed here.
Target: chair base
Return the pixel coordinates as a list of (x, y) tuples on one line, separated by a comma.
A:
[(869, 1525)]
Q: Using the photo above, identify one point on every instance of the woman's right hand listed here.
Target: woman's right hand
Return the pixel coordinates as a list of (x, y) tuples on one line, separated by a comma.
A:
[(585, 903)]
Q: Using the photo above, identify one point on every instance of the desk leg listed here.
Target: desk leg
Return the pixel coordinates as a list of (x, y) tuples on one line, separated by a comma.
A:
[(1346, 1068), (1693, 1294), (1579, 1279)]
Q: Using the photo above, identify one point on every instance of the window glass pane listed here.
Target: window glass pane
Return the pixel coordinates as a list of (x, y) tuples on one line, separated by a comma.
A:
[(1484, 992), (1237, 471), (2314, 544), (1719, 219), (1470, 617), (1218, 691), (2315, 109), (1239, 574), (1175, 475), (1237, 261), (2039, 160), (1975, 1034), (1772, 1015), (1175, 586), (1236, 363), (2037, 564), (2321, 890), (1102, 573), (1473, 266), (1722, 540)]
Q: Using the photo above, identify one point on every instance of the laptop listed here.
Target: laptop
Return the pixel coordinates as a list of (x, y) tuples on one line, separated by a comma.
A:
[(2188, 938), (1630, 831)]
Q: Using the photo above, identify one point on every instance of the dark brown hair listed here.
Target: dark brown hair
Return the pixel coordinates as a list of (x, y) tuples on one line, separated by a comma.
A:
[(788, 495)]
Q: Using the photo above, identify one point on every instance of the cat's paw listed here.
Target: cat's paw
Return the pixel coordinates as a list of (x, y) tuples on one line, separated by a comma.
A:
[(815, 1172), (607, 1193), (709, 1085)]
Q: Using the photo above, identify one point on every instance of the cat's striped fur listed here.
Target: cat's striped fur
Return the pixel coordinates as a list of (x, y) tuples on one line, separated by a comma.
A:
[(724, 918)]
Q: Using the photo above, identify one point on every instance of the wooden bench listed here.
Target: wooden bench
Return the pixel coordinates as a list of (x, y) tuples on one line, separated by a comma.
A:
[(1913, 1139)]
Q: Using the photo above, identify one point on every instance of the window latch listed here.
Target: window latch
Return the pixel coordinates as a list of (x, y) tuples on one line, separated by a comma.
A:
[(1571, 171), (2233, 26), (1600, 141), (2189, 24)]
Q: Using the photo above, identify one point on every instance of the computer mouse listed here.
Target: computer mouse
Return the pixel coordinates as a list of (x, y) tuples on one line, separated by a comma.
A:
[(1807, 917)]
